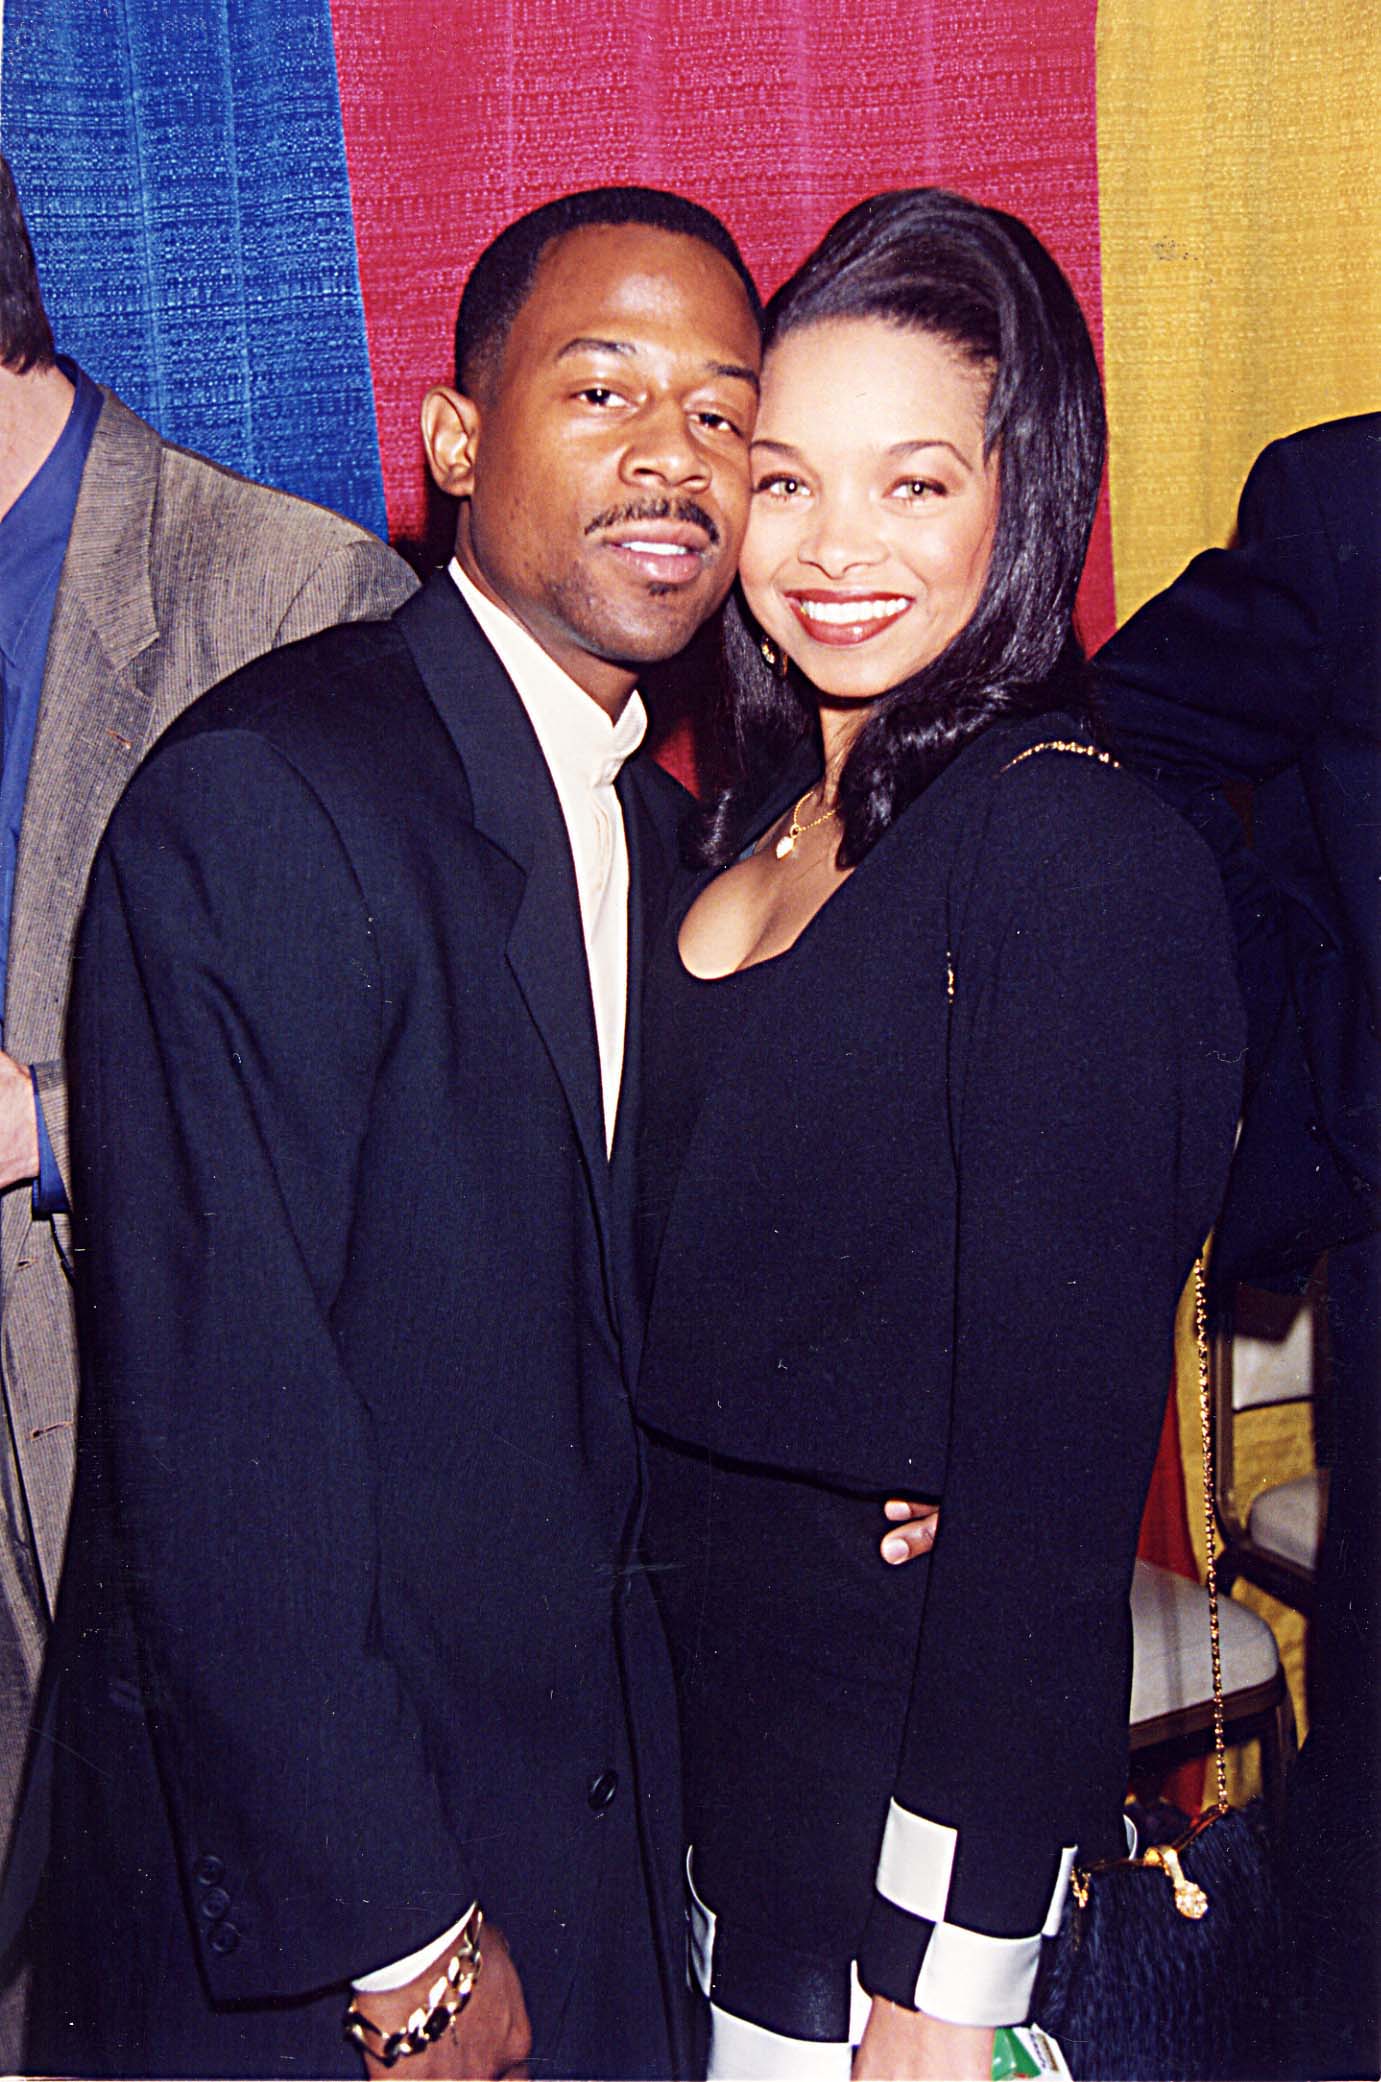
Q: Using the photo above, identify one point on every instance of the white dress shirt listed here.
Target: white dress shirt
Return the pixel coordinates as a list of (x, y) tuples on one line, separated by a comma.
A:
[(583, 750)]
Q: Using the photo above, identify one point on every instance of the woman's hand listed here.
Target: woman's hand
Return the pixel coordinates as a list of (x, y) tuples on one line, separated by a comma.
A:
[(907, 2046), (913, 1530)]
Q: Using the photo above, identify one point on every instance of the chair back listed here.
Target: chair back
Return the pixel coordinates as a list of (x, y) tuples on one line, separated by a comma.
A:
[(1267, 1349)]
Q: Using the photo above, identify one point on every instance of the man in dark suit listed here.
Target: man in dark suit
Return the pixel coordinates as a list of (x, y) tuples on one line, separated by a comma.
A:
[(351, 1639), (1262, 664), (132, 576)]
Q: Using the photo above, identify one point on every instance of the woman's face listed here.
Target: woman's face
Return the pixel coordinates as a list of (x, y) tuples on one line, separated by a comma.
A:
[(873, 509)]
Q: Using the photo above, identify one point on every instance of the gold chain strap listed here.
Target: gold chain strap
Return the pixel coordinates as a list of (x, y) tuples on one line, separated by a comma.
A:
[(1060, 744), (1211, 1565)]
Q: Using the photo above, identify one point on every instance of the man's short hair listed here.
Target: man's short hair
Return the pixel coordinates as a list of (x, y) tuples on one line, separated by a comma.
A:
[(26, 338), (501, 278)]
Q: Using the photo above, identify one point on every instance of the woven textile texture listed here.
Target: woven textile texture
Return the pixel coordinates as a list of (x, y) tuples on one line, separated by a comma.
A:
[(1240, 191), (183, 173), (778, 115)]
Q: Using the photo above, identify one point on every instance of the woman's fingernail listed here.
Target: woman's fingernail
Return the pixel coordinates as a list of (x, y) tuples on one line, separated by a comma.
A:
[(895, 1548)]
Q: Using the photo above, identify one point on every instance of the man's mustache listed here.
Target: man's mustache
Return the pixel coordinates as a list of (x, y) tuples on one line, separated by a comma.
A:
[(686, 510)]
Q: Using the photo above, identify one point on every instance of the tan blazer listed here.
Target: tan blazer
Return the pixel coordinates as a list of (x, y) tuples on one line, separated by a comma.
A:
[(177, 572)]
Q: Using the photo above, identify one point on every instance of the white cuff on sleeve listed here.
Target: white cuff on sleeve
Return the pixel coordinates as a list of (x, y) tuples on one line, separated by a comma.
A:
[(386, 1978), (967, 1976)]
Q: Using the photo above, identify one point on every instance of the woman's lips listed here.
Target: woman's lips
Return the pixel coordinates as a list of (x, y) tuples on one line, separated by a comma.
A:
[(843, 619)]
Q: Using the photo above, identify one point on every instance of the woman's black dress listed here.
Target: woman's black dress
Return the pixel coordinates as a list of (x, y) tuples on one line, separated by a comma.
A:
[(918, 1198)]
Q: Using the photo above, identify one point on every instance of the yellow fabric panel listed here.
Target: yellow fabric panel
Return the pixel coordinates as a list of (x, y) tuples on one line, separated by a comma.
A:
[(1240, 201)]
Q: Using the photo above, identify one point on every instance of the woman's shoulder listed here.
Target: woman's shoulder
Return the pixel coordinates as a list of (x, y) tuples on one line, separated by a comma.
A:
[(1060, 841), (1049, 788)]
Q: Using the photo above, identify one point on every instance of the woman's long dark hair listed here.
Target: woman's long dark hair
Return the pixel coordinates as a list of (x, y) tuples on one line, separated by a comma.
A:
[(927, 261)]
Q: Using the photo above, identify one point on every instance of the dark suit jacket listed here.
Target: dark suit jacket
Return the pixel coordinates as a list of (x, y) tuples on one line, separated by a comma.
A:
[(1262, 663), (341, 1634), (177, 572)]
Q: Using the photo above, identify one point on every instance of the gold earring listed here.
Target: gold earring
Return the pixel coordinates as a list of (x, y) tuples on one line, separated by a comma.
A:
[(778, 662)]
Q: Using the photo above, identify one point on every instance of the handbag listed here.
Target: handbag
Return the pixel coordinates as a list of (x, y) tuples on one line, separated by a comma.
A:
[(1167, 1961)]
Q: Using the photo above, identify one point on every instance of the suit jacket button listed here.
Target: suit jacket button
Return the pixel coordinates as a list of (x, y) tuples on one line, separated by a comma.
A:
[(602, 1790), (224, 1938), (208, 1871), (214, 1904)]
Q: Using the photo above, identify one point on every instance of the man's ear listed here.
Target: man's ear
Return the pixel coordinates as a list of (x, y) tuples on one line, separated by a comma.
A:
[(450, 435)]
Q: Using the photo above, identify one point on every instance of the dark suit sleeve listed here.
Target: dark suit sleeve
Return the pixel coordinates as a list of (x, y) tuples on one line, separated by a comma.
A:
[(1095, 1082), (1259, 664), (225, 1035), (1227, 673), (1226, 676)]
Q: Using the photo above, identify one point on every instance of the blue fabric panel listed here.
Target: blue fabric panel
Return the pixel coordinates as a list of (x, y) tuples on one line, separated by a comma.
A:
[(182, 167)]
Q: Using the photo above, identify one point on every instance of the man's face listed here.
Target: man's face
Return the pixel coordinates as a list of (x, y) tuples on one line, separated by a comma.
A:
[(604, 465)]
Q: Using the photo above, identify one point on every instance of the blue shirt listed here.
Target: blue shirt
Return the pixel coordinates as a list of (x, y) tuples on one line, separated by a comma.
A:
[(33, 545)]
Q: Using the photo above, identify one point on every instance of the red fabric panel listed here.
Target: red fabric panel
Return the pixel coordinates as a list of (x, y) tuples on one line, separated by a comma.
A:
[(1165, 1522), (776, 113)]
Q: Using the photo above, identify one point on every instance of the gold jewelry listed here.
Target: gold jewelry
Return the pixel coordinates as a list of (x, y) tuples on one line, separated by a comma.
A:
[(446, 1999), (787, 842), (1060, 744), (778, 662)]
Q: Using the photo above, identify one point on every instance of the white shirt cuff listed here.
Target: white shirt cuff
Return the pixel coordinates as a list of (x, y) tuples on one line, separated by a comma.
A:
[(387, 1978)]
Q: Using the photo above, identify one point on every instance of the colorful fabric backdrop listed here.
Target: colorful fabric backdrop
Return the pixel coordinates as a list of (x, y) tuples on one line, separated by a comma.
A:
[(1204, 169)]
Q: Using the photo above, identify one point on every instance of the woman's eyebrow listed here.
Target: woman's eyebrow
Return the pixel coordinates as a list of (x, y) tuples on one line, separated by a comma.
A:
[(904, 448)]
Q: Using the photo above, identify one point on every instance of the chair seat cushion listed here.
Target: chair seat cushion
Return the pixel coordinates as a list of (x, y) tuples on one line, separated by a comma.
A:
[(1171, 1663), (1288, 1519)]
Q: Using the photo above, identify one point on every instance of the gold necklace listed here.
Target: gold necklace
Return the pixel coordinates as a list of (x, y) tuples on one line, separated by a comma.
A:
[(787, 842)]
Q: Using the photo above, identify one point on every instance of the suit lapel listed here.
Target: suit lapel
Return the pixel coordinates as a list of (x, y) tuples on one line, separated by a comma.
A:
[(649, 879), (515, 807), (94, 718)]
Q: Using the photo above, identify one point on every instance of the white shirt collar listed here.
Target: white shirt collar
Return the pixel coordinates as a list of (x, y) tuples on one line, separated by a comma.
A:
[(579, 742)]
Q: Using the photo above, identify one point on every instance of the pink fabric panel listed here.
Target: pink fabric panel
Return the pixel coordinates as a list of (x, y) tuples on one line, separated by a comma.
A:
[(777, 115)]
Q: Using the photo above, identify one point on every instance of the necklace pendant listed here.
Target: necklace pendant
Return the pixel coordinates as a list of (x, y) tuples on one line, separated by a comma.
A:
[(785, 844)]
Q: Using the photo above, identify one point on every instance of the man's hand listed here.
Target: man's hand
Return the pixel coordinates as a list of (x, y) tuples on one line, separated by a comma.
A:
[(914, 1527), (491, 2037), (907, 2046), (18, 1123)]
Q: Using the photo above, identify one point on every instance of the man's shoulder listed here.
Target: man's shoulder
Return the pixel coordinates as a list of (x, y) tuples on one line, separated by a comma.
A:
[(351, 676), (210, 515), (1352, 445), (220, 534)]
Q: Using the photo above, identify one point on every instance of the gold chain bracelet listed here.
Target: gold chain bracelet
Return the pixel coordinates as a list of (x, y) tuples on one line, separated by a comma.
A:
[(446, 1999)]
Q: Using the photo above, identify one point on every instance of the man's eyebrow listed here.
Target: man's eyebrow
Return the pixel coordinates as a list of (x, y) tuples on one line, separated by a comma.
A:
[(588, 343), (585, 344), (737, 372)]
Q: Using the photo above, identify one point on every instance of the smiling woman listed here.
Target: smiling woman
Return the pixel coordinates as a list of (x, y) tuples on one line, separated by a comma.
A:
[(868, 553), (940, 1095)]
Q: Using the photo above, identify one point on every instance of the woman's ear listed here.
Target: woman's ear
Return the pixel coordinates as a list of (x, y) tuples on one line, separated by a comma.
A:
[(450, 435)]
